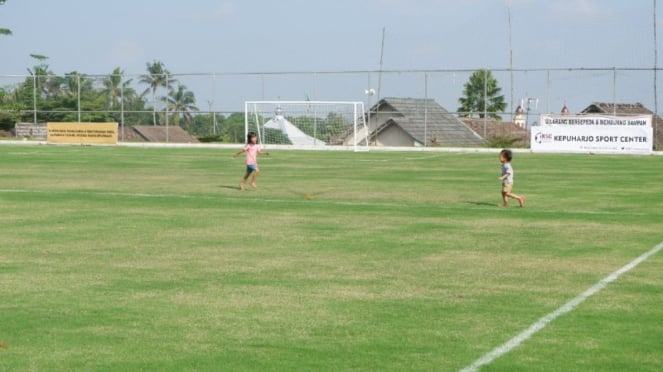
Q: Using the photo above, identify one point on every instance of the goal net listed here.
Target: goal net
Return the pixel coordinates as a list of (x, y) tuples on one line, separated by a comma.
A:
[(308, 123)]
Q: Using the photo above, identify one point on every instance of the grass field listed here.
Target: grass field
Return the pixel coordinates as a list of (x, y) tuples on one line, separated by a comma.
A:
[(119, 259)]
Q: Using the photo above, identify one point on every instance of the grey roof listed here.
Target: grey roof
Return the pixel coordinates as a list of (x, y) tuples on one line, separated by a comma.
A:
[(423, 119), (619, 108)]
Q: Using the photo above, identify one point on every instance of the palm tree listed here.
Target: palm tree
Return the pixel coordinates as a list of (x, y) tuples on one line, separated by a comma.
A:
[(69, 85), (115, 89), (182, 103), (4, 31), (44, 79), (157, 77)]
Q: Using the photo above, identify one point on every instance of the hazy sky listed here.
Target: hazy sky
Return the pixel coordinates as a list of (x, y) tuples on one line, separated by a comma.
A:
[(221, 36)]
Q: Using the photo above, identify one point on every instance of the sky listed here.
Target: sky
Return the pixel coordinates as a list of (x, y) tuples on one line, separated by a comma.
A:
[(234, 38)]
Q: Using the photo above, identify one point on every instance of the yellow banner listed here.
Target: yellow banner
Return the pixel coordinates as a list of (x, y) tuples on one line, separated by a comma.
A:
[(82, 133)]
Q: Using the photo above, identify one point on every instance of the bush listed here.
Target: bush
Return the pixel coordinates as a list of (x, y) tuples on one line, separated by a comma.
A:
[(502, 141), (7, 121), (212, 138)]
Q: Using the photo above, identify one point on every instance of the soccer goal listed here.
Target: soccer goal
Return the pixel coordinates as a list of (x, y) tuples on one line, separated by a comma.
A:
[(307, 124)]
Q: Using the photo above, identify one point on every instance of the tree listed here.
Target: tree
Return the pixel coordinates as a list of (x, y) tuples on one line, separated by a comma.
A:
[(4, 31), (75, 82), (181, 102), (34, 87), (233, 128), (157, 77), (481, 96), (115, 89)]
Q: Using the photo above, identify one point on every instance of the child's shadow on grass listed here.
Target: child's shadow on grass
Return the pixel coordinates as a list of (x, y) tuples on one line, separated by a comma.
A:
[(229, 187), (482, 204)]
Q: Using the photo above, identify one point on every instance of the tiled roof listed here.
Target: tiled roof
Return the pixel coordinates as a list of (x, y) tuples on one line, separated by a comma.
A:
[(619, 108), (425, 120), (158, 134), (490, 129)]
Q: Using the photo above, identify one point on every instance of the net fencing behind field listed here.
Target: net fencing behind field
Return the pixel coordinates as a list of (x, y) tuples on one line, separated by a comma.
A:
[(209, 106)]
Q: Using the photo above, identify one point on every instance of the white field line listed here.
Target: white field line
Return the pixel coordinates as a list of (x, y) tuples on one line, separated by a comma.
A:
[(541, 323), (462, 150)]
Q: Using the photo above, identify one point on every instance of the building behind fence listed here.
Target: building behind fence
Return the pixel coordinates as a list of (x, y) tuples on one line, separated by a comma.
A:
[(216, 113)]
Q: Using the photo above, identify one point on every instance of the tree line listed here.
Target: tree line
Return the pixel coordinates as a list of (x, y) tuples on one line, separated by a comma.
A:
[(112, 98), (75, 96)]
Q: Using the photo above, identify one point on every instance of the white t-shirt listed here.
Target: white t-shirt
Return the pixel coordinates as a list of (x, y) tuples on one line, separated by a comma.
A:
[(507, 169)]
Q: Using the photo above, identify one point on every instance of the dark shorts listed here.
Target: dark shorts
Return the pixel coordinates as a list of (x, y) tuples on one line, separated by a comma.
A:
[(250, 168)]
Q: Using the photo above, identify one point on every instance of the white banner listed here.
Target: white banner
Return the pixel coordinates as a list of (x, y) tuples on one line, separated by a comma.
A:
[(593, 134)]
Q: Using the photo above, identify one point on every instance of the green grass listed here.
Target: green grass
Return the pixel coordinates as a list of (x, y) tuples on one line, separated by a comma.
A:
[(152, 259)]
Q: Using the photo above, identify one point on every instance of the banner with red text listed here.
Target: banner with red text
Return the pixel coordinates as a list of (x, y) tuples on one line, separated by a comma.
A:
[(593, 134)]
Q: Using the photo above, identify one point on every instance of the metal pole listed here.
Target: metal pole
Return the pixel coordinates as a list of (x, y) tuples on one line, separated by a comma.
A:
[(209, 105), (510, 59), (315, 113), (655, 81), (122, 105), (34, 98), (614, 91), (485, 101), (384, 30), (34, 95), (369, 94), (425, 109), (548, 92), (78, 95), (167, 90), (214, 121), (213, 99)]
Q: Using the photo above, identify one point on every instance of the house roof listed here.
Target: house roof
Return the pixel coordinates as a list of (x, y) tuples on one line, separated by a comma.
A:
[(491, 129), (425, 120), (619, 108), (173, 133)]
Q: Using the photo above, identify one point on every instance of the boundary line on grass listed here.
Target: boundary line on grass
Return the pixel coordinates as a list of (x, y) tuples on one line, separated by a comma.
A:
[(462, 150), (544, 321)]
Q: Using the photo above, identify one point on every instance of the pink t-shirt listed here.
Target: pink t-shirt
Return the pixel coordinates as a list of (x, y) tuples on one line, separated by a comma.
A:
[(252, 154)]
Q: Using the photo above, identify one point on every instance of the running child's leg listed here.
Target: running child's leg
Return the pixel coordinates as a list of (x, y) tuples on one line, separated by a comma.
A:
[(253, 180), (243, 181), (521, 199)]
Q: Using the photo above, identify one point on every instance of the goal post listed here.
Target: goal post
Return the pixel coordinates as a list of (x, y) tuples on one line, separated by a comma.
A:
[(308, 124)]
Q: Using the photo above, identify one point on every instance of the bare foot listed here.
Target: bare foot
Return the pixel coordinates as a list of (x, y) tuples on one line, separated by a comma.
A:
[(253, 184), (521, 201), (241, 185), (501, 205)]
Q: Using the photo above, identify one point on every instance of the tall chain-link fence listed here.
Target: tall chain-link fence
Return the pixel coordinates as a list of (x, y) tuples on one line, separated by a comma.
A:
[(210, 106)]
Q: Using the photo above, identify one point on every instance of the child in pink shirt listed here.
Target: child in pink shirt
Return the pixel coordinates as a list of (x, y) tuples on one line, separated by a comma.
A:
[(252, 150)]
